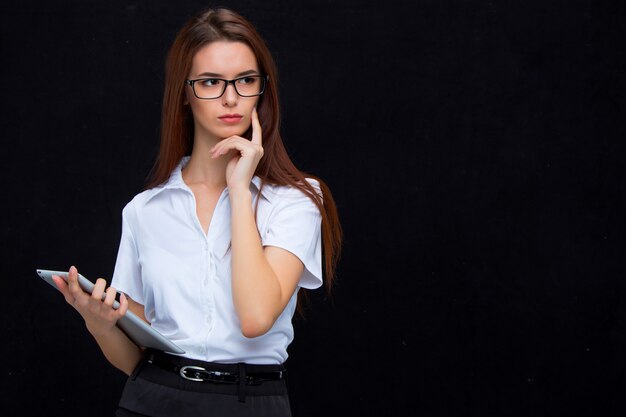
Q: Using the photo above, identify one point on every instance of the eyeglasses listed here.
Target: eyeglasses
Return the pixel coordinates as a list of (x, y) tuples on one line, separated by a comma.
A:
[(210, 88)]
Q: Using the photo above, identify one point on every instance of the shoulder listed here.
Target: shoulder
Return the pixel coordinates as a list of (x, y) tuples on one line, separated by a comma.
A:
[(139, 201), (286, 193), (287, 200)]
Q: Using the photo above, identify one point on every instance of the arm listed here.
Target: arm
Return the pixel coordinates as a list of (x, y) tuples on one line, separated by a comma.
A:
[(263, 279), (100, 319)]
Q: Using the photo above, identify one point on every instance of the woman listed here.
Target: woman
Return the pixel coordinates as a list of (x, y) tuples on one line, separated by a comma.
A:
[(213, 253)]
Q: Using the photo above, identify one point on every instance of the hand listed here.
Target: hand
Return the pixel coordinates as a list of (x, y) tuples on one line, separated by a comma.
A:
[(247, 154), (99, 315)]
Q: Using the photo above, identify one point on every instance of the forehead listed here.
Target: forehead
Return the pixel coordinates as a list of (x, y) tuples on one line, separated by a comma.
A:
[(224, 58)]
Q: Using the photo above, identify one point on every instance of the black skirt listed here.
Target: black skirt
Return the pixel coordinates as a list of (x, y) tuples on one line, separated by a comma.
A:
[(156, 389)]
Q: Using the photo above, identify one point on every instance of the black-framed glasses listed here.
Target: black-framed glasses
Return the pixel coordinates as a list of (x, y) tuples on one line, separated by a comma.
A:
[(210, 88)]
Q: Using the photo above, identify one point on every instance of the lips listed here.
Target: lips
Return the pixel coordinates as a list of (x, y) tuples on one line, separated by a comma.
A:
[(230, 118)]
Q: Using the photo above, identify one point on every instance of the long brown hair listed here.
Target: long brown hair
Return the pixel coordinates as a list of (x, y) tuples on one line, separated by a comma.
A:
[(177, 120)]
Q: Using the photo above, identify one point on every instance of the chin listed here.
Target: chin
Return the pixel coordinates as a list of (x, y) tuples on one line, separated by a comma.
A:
[(231, 131)]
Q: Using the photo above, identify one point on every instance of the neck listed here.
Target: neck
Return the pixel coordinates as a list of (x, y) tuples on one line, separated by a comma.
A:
[(204, 169)]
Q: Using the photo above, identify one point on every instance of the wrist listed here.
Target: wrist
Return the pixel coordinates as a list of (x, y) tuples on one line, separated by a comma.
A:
[(98, 330), (239, 192)]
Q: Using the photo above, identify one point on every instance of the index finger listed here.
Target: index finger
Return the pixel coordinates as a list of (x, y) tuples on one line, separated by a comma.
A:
[(256, 127)]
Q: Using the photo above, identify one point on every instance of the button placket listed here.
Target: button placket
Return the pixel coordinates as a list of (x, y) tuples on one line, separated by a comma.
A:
[(207, 260), (206, 296), (207, 281), (213, 266)]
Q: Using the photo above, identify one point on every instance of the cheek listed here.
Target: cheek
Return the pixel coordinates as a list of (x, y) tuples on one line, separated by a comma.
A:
[(201, 114), (201, 110)]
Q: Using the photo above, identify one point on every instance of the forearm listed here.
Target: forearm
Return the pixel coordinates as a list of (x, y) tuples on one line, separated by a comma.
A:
[(119, 350), (256, 290)]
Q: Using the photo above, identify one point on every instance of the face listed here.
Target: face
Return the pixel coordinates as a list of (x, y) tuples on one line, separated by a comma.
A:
[(228, 115)]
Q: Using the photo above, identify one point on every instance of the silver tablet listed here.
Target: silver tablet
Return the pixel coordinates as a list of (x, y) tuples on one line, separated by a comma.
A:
[(137, 330)]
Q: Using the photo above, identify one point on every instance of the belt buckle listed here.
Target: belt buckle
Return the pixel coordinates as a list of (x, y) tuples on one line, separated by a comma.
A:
[(198, 369), (201, 375)]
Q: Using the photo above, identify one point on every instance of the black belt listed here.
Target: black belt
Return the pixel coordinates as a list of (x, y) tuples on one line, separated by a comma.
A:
[(194, 372)]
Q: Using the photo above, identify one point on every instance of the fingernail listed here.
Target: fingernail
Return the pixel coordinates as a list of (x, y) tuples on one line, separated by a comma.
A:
[(72, 268)]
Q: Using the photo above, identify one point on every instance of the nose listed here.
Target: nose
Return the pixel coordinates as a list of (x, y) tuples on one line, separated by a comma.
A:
[(230, 95)]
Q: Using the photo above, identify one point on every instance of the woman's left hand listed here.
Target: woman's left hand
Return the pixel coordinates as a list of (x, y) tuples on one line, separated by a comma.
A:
[(248, 153)]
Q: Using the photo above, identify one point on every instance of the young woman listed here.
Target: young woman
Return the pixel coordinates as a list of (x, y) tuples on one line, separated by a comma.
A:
[(214, 252)]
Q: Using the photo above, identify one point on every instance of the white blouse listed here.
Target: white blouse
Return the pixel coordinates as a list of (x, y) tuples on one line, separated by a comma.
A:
[(182, 276)]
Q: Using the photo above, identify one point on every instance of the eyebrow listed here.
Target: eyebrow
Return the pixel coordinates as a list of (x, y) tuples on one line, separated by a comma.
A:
[(241, 74)]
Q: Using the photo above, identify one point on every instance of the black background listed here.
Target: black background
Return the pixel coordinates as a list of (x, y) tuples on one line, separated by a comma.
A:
[(475, 152)]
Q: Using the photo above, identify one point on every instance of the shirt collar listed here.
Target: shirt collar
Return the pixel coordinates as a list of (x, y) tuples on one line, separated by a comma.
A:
[(176, 181), (265, 192)]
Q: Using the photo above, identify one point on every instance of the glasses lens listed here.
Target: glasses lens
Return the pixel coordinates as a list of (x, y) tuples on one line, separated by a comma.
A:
[(209, 88), (250, 86)]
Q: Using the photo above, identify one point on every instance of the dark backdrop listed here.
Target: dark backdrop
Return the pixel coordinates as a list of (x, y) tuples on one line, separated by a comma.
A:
[(475, 152)]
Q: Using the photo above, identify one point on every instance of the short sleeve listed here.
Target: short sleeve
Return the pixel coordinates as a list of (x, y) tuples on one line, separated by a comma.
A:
[(295, 225), (127, 273)]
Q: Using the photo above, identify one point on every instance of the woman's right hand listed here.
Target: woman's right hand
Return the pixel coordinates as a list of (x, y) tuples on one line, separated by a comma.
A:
[(99, 315)]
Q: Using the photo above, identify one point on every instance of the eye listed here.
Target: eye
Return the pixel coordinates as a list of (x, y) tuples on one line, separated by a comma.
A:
[(211, 82), (247, 80)]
